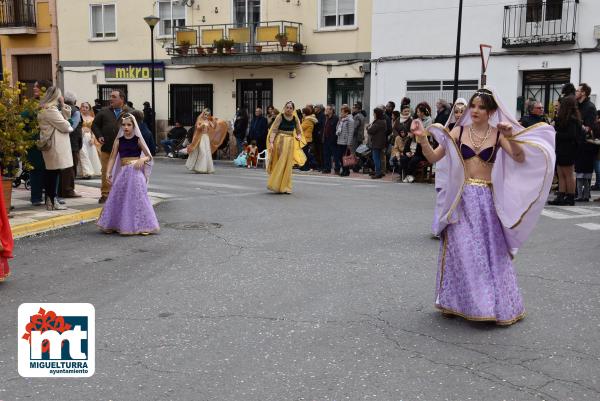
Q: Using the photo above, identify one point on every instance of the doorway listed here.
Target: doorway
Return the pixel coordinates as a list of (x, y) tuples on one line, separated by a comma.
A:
[(345, 91), (544, 86), (253, 93)]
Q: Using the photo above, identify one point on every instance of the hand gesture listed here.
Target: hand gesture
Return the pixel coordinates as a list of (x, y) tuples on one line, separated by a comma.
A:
[(505, 129), (416, 127), (101, 140), (109, 179), (139, 164), (188, 149)]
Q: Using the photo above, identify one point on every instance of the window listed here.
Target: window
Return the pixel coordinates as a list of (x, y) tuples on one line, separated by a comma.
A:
[(104, 92), (103, 21), (534, 10), (188, 101), (171, 15), (337, 13), (554, 9)]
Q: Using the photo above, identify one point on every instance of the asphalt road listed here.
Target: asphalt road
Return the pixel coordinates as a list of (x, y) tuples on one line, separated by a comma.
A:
[(325, 294)]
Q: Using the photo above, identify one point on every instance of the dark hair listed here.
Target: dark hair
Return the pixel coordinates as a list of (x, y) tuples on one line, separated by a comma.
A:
[(244, 113), (391, 103), (568, 109), (405, 101), (308, 110), (43, 83), (487, 99), (396, 113), (120, 92), (138, 114), (345, 108), (568, 89), (585, 88), (358, 105), (378, 113), (405, 106), (424, 108)]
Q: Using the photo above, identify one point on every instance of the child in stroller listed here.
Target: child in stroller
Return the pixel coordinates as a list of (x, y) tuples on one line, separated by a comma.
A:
[(365, 160)]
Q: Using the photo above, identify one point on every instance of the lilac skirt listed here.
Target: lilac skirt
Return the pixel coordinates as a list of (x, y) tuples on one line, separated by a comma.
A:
[(128, 209), (476, 279)]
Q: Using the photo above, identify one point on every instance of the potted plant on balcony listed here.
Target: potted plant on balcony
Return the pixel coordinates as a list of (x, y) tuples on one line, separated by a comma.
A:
[(200, 51), (258, 48), (184, 48), (16, 132), (282, 38), (228, 44), (298, 47), (210, 50), (219, 45)]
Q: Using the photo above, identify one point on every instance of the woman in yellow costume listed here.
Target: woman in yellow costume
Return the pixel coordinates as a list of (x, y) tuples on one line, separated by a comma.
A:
[(285, 142), (199, 151)]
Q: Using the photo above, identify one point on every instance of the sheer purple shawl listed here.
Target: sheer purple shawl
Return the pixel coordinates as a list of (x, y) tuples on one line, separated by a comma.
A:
[(145, 150), (520, 190)]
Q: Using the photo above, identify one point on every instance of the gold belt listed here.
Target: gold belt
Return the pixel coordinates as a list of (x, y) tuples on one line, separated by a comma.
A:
[(125, 161), (285, 132), (478, 181)]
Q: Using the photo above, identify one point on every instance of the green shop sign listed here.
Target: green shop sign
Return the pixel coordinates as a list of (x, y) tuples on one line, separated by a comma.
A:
[(134, 72)]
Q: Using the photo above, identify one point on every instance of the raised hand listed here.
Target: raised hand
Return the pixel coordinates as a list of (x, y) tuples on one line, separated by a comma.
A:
[(417, 128), (505, 129)]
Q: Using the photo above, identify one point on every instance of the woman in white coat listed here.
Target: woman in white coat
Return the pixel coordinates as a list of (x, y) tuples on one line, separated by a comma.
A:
[(54, 142)]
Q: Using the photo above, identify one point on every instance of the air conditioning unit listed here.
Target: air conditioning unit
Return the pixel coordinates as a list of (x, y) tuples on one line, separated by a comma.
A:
[(597, 32)]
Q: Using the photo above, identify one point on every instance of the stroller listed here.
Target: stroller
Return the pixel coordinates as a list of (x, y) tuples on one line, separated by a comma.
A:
[(365, 160), (22, 176)]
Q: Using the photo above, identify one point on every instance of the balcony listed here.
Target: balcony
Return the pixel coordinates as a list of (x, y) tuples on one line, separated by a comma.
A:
[(230, 45), (17, 17), (541, 23)]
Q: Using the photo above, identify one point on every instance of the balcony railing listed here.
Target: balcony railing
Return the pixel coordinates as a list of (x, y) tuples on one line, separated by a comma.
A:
[(17, 14), (541, 23), (266, 38)]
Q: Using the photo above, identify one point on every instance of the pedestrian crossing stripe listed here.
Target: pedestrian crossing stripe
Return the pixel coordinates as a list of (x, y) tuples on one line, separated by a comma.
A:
[(589, 226), (570, 212)]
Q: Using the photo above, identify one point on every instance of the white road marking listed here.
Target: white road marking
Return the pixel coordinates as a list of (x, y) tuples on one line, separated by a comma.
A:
[(589, 226), (579, 212)]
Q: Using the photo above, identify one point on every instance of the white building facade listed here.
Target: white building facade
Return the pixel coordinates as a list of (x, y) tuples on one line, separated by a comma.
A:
[(105, 44), (537, 46)]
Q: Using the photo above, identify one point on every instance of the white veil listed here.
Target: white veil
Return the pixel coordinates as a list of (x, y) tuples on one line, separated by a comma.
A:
[(145, 150)]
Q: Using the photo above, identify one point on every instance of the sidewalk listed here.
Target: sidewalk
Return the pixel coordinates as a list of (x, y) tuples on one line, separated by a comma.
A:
[(26, 219)]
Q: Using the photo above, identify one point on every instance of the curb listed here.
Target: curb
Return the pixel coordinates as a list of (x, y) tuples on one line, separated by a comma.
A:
[(25, 230)]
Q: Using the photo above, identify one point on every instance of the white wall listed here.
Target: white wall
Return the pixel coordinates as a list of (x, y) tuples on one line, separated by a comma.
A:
[(428, 28)]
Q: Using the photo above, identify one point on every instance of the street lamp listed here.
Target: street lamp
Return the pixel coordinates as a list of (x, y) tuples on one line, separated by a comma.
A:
[(152, 20), (457, 57)]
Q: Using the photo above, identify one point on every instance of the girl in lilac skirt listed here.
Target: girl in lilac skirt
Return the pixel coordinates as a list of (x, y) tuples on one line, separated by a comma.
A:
[(498, 176), (128, 209)]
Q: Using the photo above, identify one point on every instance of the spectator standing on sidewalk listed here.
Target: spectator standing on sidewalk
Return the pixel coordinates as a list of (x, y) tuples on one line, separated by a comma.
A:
[(360, 121), (34, 155), (329, 139), (97, 106), (54, 130), (318, 135), (66, 187), (377, 136), (443, 112), (149, 119), (308, 124), (258, 129), (240, 128), (345, 138), (586, 151), (105, 127)]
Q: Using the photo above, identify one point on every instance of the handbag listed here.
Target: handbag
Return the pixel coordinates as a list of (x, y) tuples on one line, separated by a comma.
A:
[(349, 159), (45, 143)]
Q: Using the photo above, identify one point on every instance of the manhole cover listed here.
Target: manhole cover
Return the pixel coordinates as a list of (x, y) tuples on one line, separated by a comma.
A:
[(193, 225)]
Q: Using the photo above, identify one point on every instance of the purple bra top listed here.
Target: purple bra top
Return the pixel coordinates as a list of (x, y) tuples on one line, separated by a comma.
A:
[(129, 147), (488, 155)]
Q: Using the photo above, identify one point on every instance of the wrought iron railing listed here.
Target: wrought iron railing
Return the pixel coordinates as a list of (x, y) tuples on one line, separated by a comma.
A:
[(17, 13), (540, 23), (260, 37)]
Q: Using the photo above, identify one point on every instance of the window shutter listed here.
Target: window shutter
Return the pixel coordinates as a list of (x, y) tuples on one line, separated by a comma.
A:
[(346, 7), (97, 31), (109, 20), (178, 12), (328, 7)]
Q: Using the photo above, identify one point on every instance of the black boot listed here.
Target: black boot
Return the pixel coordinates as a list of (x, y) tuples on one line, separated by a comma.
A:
[(570, 200), (559, 200)]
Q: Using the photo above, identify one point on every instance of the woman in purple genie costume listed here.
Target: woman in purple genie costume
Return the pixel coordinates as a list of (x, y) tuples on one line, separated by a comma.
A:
[(497, 180), (128, 209)]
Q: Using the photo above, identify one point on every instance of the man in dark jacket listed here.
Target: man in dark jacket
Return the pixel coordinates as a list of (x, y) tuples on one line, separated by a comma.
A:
[(66, 187), (318, 135), (443, 112), (586, 107), (149, 116), (105, 128), (329, 138), (535, 114), (258, 129)]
